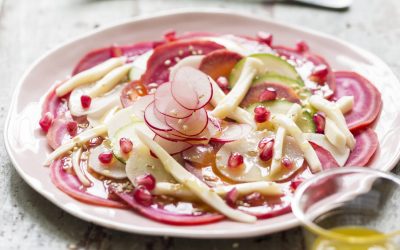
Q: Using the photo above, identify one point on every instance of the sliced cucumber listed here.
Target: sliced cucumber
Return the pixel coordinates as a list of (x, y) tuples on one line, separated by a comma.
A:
[(272, 63), (304, 120), (128, 132)]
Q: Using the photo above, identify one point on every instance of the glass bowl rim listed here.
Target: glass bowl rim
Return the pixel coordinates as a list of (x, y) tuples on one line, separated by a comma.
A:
[(320, 231)]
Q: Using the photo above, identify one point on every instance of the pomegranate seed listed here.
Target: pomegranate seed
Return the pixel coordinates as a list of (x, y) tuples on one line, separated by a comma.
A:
[(96, 141), (261, 114), (105, 157), (170, 35), (222, 82), (267, 151), (253, 198), (294, 184), (72, 128), (126, 145), (46, 121), (286, 162), (320, 74), (264, 141), (147, 180), (302, 46), (86, 101), (269, 94), (235, 160), (231, 197), (319, 121), (265, 37), (143, 196)]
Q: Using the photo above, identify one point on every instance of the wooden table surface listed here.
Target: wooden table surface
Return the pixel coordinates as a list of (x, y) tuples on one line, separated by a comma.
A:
[(30, 28)]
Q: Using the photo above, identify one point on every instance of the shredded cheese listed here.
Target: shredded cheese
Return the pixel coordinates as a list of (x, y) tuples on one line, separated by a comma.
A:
[(232, 100), (309, 154), (333, 113), (279, 140), (334, 135), (345, 103), (186, 178), (109, 81), (75, 142), (238, 114), (90, 75)]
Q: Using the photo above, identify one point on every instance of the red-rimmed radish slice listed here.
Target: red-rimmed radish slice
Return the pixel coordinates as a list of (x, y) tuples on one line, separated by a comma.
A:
[(292, 53), (58, 133), (157, 213), (140, 105), (366, 145), (219, 63), (70, 184), (155, 119), (167, 105), (326, 159), (172, 147), (282, 92), (190, 126), (367, 99), (168, 135), (191, 88), (167, 55), (232, 132)]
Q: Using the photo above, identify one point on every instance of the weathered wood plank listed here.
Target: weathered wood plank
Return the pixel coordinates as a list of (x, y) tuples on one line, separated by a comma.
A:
[(29, 28)]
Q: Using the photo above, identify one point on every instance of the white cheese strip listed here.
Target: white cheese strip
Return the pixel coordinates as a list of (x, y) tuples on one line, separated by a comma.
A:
[(333, 113), (279, 140), (334, 135), (76, 141), (309, 153), (232, 100), (180, 191), (109, 81), (340, 156), (199, 188), (345, 103), (238, 114), (90, 75), (76, 156)]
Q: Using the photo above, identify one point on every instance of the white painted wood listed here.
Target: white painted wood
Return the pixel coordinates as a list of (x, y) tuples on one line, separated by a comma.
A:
[(29, 28)]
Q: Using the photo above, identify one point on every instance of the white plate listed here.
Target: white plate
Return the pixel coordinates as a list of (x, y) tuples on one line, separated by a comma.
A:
[(27, 146)]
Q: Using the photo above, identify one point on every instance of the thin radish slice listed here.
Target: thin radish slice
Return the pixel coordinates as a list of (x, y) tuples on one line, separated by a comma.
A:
[(70, 184), (157, 213), (168, 135), (191, 126), (367, 99), (232, 132), (366, 145), (141, 104), (191, 88), (167, 105), (172, 147), (154, 119)]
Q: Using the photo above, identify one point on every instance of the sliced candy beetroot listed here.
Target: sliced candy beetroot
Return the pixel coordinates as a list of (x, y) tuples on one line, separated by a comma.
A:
[(70, 184), (169, 54), (172, 147), (366, 145), (54, 104), (190, 126), (166, 104), (306, 55), (97, 56), (282, 91), (367, 99), (191, 88), (157, 213), (57, 133), (219, 63)]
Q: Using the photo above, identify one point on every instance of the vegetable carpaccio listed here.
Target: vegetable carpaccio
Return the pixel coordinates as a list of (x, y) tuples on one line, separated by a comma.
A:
[(197, 128)]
